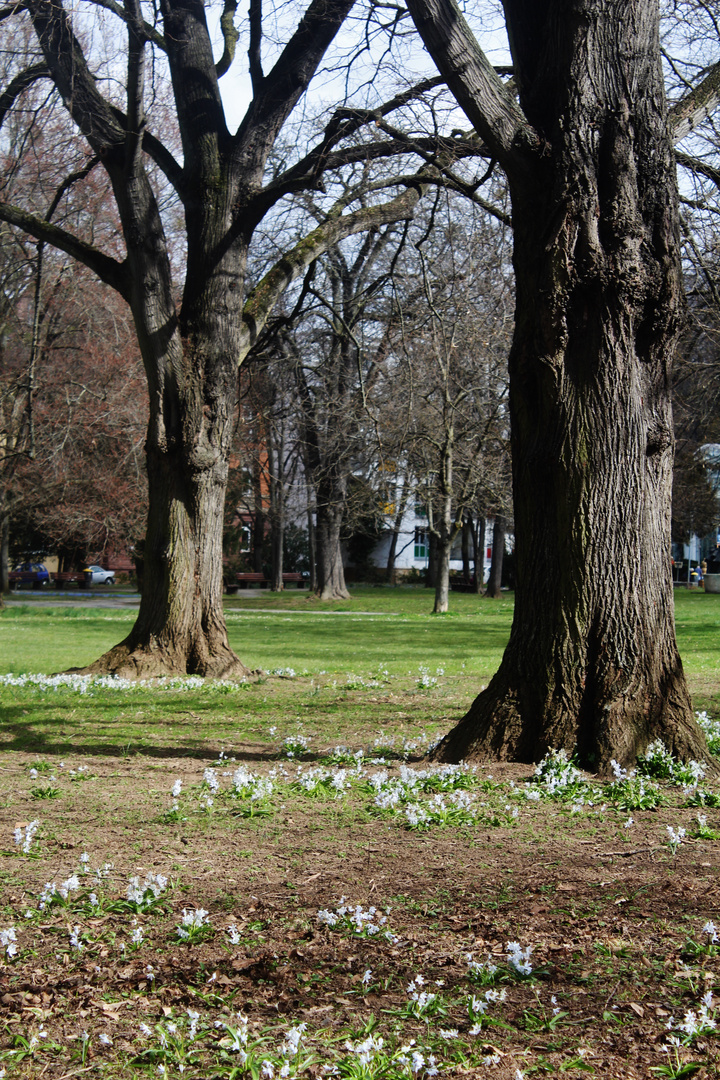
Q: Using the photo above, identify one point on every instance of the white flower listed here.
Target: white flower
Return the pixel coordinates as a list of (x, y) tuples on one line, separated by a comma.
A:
[(519, 958), (176, 789), (75, 939), (104, 1039), (193, 1016), (709, 929), (7, 942), (676, 835)]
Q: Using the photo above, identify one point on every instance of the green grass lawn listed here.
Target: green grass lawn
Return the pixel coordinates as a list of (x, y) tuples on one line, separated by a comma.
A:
[(392, 628), (343, 668)]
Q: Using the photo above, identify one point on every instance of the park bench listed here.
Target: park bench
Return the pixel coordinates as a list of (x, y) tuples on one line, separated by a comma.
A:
[(16, 578), (462, 585), (259, 581), (70, 577)]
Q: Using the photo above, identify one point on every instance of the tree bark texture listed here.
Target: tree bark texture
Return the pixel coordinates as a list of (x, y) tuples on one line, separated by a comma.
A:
[(592, 664)]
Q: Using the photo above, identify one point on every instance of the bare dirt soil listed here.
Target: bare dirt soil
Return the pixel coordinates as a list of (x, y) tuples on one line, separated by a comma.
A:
[(613, 917)]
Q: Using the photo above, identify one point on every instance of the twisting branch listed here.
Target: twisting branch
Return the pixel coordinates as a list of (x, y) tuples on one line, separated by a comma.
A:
[(13, 9), (22, 82), (488, 103), (230, 35)]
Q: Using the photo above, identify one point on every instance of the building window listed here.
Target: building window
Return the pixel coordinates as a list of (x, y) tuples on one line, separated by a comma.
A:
[(421, 510), (421, 544)]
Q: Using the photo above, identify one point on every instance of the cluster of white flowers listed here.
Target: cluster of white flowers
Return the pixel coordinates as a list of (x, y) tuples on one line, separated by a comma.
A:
[(712, 731), (425, 680), (482, 973), (86, 684), (556, 772), (8, 942), (295, 745), (696, 1023), (356, 920), (211, 781), (250, 786), (24, 836), (335, 782), (519, 958), (454, 807), (422, 1001), (76, 938), (676, 837), (366, 1049), (711, 931), (192, 923), (145, 895), (478, 1006)]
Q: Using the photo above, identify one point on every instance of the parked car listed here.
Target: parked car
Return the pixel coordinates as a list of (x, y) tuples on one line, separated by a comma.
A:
[(98, 576), (28, 573)]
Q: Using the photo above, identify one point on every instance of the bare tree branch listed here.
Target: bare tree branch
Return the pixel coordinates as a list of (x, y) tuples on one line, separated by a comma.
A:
[(109, 270), (22, 82), (488, 104), (696, 106), (259, 303), (230, 35), (254, 49)]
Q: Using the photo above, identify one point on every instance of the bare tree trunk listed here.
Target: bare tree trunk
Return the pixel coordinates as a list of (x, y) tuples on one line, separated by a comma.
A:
[(431, 574), (4, 552), (330, 571), (478, 537), (444, 539), (277, 548), (276, 481), (312, 549), (467, 533), (258, 528), (496, 562), (392, 553)]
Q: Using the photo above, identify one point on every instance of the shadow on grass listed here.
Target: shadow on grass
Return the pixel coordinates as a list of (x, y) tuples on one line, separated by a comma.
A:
[(22, 737)]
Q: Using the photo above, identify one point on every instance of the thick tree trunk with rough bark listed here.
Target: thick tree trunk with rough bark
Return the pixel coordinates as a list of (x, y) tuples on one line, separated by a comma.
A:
[(592, 664), (181, 625)]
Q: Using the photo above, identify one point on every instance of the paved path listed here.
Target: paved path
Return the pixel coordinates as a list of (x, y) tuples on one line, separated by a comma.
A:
[(80, 598)]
